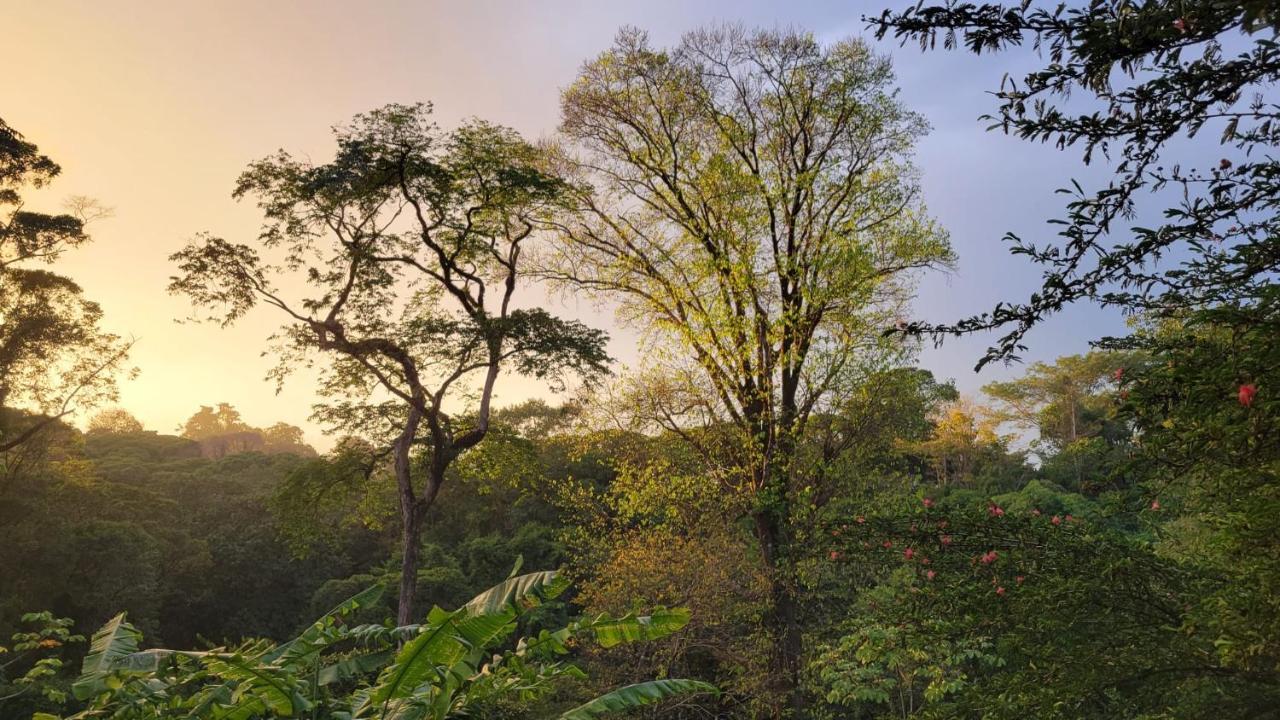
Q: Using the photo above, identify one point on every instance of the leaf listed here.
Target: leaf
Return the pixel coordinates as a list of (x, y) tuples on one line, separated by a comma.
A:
[(637, 628), (111, 644), (419, 660), (634, 696), (491, 614), (509, 594), (448, 637), (318, 636), (260, 682), (353, 667)]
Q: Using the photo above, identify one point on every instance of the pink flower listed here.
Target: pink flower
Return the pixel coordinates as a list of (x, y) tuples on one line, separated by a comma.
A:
[(989, 557), (860, 519), (928, 502), (835, 554), (1180, 25), (1225, 164), (946, 539), (1247, 391), (1036, 512), (1020, 578), (888, 543), (1155, 504), (924, 560), (1118, 374), (1056, 520), (931, 574), (995, 511), (1068, 518), (1000, 591), (908, 553)]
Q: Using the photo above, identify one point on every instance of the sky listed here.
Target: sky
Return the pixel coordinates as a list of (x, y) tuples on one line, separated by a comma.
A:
[(154, 108)]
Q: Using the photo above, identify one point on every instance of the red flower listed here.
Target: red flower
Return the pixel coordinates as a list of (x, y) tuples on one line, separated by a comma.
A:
[(931, 574), (924, 561), (1225, 164), (928, 502), (946, 539), (989, 557), (1056, 520), (1180, 25), (1000, 591), (995, 511), (888, 543), (835, 554), (908, 553), (1247, 391), (1155, 504), (1118, 374), (1020, 578)]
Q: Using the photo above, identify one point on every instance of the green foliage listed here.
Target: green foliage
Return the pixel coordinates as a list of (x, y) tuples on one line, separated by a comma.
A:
[(634, 696), (455, 664), (141, 522), (30, 664), (1211, 461), (1010, 611)]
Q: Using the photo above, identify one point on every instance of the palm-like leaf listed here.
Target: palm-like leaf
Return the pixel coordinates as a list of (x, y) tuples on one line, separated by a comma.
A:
[(258, 685), (448, 638), (113, 642), (445, 667), (322, 632), (638, 628), (634, 696)]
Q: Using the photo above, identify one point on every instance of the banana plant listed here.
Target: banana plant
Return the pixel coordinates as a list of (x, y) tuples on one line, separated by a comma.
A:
[(454, 664)]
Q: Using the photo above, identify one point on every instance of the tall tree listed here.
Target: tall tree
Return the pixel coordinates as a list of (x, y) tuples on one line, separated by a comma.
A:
[(55, 357), (1062, 402), (748, 194), (398, 260)]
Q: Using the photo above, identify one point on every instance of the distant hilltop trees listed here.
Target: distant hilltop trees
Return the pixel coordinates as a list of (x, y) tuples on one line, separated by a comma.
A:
[(218, 431)]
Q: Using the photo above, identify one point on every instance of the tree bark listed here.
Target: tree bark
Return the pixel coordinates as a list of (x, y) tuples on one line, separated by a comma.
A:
[(770, 524), (411, 515), (409, 533)]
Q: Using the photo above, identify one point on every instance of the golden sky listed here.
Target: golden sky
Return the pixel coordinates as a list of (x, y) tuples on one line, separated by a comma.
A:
[(155, 108)]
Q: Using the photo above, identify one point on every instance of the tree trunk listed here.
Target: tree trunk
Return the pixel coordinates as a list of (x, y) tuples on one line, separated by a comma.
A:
[(784, 665), (409, 533), (411, 515)]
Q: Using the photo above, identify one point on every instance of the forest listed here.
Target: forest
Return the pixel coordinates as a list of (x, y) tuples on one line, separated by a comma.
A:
[(781, 511)]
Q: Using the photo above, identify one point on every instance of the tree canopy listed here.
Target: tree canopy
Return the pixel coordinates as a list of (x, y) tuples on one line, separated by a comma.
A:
[(55, 356)]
